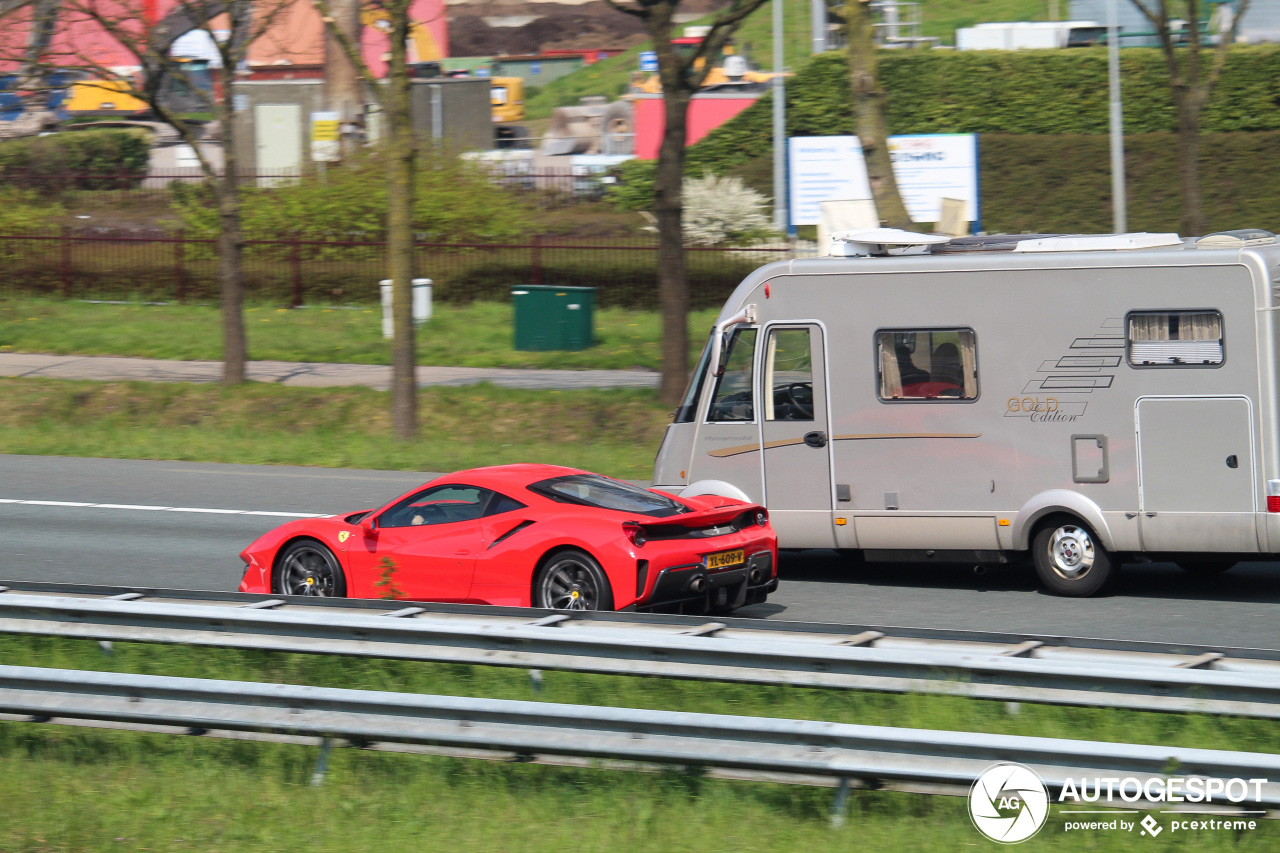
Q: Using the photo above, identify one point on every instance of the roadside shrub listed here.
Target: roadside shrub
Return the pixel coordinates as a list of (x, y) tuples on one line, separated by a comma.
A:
[(120, 155), (723, 210), (453, 200)]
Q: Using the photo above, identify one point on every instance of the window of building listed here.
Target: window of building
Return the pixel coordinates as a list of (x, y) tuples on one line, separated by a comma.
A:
[(734, 399), (1184, 338), (927, 364)]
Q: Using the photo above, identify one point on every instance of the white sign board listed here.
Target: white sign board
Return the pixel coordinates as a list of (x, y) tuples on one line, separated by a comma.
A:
[(928, 168), (823, 168)]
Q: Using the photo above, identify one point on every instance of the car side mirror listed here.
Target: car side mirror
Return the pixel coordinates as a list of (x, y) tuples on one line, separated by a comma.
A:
[(369, 524)]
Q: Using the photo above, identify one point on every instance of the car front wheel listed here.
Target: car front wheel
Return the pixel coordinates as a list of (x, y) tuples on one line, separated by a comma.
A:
[(572, 580), (308, 568), (1070, 560)]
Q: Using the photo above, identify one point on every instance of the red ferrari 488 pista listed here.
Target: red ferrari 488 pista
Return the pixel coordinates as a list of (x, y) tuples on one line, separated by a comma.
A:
[(529, 535)]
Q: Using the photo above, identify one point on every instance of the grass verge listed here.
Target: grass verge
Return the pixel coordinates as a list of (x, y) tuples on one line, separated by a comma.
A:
[(476, 335), (611, 431), (68, 789)]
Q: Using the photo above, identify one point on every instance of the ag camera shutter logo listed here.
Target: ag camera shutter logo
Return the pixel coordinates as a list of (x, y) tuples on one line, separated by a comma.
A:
[(1008, 803)]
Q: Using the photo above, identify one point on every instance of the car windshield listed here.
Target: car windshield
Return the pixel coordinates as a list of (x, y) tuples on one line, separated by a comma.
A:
[(593, 490)]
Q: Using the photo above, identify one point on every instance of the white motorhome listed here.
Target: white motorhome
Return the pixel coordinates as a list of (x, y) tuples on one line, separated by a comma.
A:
[(1084, 399)]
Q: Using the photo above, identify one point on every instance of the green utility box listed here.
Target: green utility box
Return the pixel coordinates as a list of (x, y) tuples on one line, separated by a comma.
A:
[(550, 318)]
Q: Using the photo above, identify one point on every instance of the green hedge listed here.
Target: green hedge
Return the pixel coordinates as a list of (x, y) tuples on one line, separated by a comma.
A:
[(1023, 92), (1063, 183), (118, 152)]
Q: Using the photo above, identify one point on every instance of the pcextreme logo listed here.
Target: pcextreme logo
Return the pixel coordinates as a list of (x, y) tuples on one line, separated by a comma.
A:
[(1008, 803)]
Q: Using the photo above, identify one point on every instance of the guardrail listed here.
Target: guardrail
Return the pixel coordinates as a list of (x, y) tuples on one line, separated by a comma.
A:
[(1054, 670), (875, 756)]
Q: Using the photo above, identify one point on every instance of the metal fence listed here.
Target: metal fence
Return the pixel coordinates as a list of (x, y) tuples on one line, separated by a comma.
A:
[(759, 747), (1054, 670), (544, 188), (159, 266)]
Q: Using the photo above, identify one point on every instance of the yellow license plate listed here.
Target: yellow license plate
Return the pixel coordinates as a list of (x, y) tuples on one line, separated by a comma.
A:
[(725, 558)]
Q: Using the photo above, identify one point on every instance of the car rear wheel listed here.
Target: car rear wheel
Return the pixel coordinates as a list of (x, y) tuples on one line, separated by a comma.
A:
[(572, 580), (1070, 560), (308, 568)]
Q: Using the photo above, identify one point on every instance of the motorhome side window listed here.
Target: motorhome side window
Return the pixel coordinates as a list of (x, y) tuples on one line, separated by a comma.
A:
[(927, 364), (733, 400), (1175, 338), (788, 373)]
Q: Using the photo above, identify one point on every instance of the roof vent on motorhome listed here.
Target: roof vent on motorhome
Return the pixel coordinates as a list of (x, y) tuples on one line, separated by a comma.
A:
[(882, 241), (1236, 239), (1100, 243)]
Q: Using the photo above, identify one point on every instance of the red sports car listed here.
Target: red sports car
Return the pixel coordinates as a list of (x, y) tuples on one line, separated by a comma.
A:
[(525, 535)]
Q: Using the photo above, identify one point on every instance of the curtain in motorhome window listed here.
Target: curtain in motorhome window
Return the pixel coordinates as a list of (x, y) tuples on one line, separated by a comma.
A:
[(927, 364), (1175, 338), (734, 398)]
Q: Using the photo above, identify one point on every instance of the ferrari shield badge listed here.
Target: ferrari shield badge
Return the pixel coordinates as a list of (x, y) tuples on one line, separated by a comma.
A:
[(343, 534)]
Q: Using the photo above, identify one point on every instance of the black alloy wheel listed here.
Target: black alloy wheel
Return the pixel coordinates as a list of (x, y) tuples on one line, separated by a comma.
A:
[(308, 568), (572, 580)]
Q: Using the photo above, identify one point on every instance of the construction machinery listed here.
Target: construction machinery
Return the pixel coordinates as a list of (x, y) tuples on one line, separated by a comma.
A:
[(597, 126)]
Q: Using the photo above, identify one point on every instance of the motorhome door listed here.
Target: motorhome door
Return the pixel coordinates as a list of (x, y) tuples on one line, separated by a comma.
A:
[(794, 432), (1197, 474)]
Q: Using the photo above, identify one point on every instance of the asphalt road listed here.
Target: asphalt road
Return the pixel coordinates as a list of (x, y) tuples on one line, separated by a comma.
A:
[(157, 531)]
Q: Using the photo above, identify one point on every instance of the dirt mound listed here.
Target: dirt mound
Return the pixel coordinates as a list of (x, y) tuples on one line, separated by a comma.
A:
[(552, 26)]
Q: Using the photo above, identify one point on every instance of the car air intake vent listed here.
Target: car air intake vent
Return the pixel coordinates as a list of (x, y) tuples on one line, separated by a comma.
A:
[(679, 531)]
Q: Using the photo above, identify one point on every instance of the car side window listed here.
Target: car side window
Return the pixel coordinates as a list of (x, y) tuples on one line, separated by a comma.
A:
[(501, 504), (438, 505), (734, 389)]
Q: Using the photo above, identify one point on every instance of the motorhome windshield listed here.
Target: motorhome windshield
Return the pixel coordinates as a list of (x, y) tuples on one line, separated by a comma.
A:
[(593, 490)]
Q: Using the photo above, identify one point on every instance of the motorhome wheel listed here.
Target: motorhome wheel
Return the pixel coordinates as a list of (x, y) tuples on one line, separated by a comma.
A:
[(1069, 560)]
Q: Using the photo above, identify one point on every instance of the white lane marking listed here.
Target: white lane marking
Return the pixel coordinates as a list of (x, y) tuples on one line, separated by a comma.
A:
[(206, 510)]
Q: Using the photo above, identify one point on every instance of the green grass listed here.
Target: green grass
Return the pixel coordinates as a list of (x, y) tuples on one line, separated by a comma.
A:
[(68, 789), (475, 335), (612, 431)]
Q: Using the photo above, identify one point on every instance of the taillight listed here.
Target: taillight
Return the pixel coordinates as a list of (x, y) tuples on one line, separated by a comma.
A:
[(762, 517), (635, 533), (1273, 495)]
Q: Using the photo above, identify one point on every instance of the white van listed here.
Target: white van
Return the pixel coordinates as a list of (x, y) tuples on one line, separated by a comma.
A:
[(1084, 399)]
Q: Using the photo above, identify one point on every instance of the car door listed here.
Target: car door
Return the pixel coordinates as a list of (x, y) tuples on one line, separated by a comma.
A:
[(796, 444), (425, 546)]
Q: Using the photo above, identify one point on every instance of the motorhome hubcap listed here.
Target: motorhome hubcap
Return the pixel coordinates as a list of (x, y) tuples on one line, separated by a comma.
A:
[(1071, 552)]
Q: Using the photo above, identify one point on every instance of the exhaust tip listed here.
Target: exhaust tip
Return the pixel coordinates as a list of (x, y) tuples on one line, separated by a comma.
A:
[(979, 570), (698, 584), (753, 577)]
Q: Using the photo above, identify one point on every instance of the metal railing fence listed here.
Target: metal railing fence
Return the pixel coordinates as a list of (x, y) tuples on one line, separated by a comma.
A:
[(158, 266), (876, 756), (1053, 670)]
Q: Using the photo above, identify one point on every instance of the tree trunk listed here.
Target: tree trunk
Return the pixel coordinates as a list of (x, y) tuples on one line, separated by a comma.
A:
[(869, 111), (1193, 223), (230, 244), (673, 274), (401, 154)]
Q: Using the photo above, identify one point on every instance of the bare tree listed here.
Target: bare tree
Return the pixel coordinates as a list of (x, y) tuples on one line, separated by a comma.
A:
[(401, 153), (1192, 77), (150, 44), (869, 111), (681, 77)]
